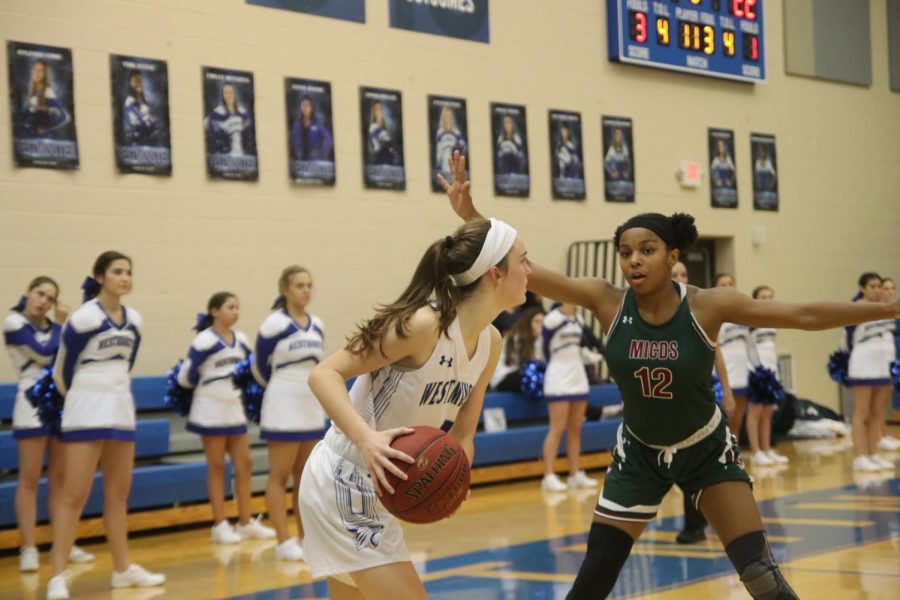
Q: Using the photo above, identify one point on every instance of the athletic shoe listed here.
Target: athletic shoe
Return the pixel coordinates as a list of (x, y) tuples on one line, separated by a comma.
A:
[(289, 550), (57, 588), (223, 533), (778, 459), (863, 464), (760, 459), (889, 443), (690, 536), (28, 559), (581, 480), (79, 555), (882, 462), (552, 483), (255, 530), (136, 576)]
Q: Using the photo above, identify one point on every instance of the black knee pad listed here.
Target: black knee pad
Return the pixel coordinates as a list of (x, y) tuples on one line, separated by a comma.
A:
[(608, 548), (752, 558)]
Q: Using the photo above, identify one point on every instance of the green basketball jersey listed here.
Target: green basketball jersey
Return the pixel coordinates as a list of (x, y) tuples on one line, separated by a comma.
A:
[(663, 372)]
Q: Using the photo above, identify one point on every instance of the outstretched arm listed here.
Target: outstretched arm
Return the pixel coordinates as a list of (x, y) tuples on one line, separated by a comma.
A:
[(592, 293), (728, 305)]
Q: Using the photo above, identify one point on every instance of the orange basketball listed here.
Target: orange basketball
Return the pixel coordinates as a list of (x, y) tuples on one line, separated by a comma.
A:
[(438, 480)]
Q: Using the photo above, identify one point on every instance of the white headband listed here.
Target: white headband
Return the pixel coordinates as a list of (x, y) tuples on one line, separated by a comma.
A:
[(500, 239)]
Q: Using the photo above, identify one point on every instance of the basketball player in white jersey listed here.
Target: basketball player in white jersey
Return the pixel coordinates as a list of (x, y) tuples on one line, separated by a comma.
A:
[(425, 359)]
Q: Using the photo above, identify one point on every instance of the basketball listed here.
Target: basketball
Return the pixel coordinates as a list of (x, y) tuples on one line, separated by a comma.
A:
[(438, 480)]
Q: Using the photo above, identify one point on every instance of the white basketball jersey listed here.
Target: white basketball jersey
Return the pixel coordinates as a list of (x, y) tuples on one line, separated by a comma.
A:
[(430, 395)]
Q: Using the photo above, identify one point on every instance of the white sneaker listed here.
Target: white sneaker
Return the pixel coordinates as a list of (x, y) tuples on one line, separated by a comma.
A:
[(289, 550), (136, 576), (79, 555), (28, 559), (760, 459), (882, 462), (779, 459), (255, 530), (581, 480), (889, 443), (57, 588), (552, 483), (863, 464), (223, 533)]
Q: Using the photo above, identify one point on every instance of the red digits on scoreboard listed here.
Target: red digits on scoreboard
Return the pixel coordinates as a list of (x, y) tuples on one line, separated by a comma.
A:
[(744, 9)]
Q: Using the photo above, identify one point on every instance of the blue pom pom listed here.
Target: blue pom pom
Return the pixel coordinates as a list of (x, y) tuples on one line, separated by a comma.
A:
[(765, 387), (895, 373), (251, 391), (47, 400), (177, 398), (838, 363), (717, 389), (532, 379)]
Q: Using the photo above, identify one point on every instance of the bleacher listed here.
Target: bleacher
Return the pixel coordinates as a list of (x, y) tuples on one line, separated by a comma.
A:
[(170, 470)]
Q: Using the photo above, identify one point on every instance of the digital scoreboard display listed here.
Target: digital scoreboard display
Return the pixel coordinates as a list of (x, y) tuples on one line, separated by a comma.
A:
[(717, 38)]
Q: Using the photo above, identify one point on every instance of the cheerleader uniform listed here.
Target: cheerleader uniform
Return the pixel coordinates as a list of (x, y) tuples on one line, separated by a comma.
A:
[(91, 371), (30, 349), (869, 364), (565, 379), (346, 527), (216, 408), (285, 354), (736, 344), (505, 377)]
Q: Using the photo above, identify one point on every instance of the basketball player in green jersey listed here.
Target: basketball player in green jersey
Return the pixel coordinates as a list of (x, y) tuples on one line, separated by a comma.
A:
[(660, 354)]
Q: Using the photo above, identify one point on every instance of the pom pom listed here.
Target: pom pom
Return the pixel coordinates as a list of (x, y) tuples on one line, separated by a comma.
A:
[(895, 373), (251, 391), (47, 400), (532, 379), (91, 288), (177, 398), (717, 389), (765, 387), (838, 363)]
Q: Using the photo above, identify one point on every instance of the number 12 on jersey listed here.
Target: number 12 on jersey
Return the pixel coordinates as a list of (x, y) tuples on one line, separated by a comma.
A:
[(655, 383)]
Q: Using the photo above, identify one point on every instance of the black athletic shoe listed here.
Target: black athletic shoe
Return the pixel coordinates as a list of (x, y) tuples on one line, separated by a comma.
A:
[(690, 536)]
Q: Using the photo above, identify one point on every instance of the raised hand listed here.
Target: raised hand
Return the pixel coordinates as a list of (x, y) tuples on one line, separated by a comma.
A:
[(458, 190)]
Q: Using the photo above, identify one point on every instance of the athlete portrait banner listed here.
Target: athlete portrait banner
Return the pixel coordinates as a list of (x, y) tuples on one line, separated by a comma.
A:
[(618, 159), (448, 131), (765, 177), (510, 152), (566, 162), (140, 102), (348, 10), (41, 102), (229, 124), (310, 131), (722, 175), (463, 19), (381, 125)]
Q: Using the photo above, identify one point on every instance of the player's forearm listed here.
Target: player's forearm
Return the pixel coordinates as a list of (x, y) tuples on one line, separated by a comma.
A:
[(331, 391), (816, 316)]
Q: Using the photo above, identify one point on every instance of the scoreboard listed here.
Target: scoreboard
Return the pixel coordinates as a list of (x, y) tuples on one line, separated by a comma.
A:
[(717, 38)]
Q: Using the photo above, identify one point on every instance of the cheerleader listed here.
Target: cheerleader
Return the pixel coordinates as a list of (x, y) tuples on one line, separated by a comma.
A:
[(566, 390), (520, 345), (218, 416), (425, 359), (289, 344), (888, 293), (759, 419), (735, 345), (32, 340), (98, 348)]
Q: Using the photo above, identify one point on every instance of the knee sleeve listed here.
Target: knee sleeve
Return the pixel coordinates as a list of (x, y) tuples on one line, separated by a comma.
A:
[(753, 560), (608, 547)]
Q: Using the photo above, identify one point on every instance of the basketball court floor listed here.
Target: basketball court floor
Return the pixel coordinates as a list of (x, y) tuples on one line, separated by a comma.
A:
[(835, 533)]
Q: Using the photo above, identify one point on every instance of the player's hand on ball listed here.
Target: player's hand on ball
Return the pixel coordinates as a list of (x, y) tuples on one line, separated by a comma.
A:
[(458, 190), (377, 453)]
